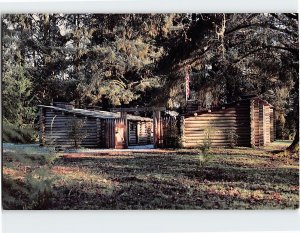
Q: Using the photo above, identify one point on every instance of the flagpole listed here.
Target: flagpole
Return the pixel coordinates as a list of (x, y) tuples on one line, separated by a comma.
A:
[(186, 97), (187, 85)]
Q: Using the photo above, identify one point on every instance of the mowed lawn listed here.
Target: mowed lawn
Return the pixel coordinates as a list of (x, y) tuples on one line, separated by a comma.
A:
[(241, 178)]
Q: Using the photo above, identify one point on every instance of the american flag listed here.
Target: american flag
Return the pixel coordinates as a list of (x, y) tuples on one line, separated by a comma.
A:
[(187, 86)]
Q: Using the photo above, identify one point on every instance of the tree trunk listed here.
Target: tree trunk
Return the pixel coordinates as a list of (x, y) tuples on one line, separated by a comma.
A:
[(294, 147)]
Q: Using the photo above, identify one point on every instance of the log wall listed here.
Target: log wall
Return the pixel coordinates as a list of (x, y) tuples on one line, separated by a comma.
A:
[(58, 129), (109, 133), (218, 126), (272, 125), (144, 132), (262, 123), (94, 132), (266, 129), (132, 133), (140, 133)]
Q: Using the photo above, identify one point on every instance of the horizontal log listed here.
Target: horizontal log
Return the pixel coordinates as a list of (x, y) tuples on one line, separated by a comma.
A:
[(225, 131), (48, 134), (220, 121), (216, 115), (213, 145), (193, 144), (69, 117), (143, 109), (86, 133), (72, 144), (214, 135), (214, 119), (70, 139), (201, 140), (62, 121), (59, 130), (213, 126), (218, 129), (63, 131), (208, 119), (65, 127), (91, 136)]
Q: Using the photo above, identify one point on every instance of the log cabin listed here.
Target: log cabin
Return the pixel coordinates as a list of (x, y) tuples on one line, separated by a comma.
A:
[(65, 126), (249, 122)]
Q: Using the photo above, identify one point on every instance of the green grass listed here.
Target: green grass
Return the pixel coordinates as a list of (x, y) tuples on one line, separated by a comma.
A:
[(241, 178)]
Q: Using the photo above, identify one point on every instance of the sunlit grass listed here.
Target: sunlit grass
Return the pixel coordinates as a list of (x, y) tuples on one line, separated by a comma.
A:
[(241, 178)]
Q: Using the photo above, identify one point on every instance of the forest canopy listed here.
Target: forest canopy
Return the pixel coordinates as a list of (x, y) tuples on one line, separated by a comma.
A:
[(140, 60)]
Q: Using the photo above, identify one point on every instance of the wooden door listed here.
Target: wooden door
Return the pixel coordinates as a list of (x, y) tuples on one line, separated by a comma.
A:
[(120, 140)]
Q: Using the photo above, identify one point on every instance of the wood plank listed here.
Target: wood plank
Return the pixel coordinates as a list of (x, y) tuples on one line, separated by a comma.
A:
[(140, 109)]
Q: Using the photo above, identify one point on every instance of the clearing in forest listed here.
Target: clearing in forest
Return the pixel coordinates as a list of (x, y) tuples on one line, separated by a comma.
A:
[(240, 178)]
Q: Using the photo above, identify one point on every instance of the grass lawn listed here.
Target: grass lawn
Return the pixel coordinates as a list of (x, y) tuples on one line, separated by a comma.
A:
[(241, 178)]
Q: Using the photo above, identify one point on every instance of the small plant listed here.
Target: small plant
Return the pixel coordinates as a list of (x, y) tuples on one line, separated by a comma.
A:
[(32, 188), (172, 138), (232, 137), (206, 144), (16, 134), (204, 156), (76, 133)]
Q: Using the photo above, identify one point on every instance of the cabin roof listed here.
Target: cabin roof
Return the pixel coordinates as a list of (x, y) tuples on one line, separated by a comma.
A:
[(96, 113)]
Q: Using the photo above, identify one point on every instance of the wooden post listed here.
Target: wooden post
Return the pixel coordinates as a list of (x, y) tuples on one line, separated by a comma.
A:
[(274, 123), (154, 130), (252, 123), (42, 127), (182, 130), (138, 133), (124, 118), (159, 131), (98, 131), (261, 123)]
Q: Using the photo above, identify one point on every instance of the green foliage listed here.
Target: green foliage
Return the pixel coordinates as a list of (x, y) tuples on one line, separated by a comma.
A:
[(76, 131), (33, 190), (172, 138), (204, 156), (232, 137), (206, 144), (140, 59), (243, 178), (17, 134), (17, 95)]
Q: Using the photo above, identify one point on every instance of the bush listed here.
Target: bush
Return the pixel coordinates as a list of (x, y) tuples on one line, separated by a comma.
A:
[(172, 138), (77, 134), (205, 157), (32, 188), (232, 137), (15, 134)]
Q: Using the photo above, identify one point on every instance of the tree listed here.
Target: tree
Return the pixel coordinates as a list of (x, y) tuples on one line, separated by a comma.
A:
[(17, 83), (232, 54), (141, 59)]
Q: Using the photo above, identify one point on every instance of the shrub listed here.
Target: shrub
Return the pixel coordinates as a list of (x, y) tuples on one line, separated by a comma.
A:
[(205, 157), (32, 188), (15, 134), (172, 138), (232, 137), (77, 134)]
